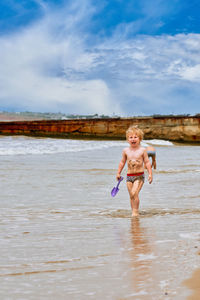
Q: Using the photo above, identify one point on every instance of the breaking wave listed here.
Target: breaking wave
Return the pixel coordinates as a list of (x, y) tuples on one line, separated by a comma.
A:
[(20, 145)]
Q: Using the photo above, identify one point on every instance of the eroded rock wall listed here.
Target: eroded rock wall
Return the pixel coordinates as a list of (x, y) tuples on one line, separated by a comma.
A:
[(185, 129)]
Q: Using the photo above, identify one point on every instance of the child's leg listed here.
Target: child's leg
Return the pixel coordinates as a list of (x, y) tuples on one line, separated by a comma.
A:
[(134, 189)]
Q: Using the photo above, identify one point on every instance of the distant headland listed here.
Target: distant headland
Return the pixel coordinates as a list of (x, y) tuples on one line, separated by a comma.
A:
[(180, 128)]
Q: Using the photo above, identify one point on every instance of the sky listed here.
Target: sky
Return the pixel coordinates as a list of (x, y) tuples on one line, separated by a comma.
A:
[(106, 57)]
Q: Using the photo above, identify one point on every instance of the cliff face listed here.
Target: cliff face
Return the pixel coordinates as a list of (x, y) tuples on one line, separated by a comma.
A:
[(185, 129)]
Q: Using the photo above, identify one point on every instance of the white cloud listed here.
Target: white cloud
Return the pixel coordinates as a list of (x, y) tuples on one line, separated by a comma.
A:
[(41, 69), (191, 73), (51, 66)]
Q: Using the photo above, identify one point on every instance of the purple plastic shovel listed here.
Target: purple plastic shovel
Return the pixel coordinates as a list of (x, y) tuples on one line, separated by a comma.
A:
[(116, 188)]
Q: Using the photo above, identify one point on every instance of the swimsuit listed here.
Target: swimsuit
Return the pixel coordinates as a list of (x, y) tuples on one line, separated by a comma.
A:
[(135, 176), (151, 153)]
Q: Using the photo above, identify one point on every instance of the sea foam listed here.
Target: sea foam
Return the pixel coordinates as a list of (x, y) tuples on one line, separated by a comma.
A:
[(20, 145)]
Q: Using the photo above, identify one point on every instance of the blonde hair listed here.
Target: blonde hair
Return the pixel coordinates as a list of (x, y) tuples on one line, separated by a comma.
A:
[(134, 130)]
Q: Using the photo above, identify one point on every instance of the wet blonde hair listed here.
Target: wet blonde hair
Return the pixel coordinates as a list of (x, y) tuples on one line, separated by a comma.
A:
[(134, 130)]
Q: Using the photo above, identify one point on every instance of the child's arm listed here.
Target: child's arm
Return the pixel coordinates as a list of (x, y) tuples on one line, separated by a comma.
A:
[(121, 164), (148, 166), (154, 162)]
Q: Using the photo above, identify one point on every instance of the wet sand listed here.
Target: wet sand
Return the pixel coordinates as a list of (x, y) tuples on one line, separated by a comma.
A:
[(193, 284)]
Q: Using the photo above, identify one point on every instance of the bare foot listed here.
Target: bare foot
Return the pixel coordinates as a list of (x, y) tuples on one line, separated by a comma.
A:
[(135, 213)]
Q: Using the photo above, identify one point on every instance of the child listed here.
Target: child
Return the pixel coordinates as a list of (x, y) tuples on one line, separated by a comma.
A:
[(136, 157), (151, 152)]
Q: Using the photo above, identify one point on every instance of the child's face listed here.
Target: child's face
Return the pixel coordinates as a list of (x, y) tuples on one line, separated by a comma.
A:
[(133, 139)]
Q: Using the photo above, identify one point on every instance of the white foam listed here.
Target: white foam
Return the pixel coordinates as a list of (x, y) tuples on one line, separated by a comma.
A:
[(142, 257), (190, 235), (26, 145), (163, 284), (140, 293), (165, 241), (158, 142)]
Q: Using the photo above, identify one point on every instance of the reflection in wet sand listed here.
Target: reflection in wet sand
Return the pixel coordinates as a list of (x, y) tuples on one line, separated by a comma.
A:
[(141, 254)]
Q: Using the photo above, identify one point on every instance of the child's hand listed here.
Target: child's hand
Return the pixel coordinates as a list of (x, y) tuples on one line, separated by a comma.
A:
[(118, 176), (150, 179)]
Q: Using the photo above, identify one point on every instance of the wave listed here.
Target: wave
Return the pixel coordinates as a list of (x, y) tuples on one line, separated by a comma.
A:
[(158, 143), (27, 145)]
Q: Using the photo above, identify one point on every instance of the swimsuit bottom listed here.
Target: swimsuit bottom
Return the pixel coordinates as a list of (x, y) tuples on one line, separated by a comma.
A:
[(151, 153), (133, 177)]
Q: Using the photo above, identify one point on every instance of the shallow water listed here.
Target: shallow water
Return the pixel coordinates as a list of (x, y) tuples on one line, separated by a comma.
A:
[(63, 236)]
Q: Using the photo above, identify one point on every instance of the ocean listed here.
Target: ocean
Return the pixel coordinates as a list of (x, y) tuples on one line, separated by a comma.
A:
[(62, 235)]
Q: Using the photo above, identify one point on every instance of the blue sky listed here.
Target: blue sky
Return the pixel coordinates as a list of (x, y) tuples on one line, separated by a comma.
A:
[(107, 57)]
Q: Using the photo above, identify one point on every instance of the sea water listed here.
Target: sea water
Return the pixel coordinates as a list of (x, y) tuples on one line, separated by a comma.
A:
[(62, 235)]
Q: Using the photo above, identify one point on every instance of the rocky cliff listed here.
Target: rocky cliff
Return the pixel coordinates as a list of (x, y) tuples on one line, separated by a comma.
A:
[(186, 129)]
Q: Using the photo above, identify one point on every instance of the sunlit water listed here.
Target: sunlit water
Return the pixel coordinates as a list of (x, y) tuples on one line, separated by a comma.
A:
[(62, 235)]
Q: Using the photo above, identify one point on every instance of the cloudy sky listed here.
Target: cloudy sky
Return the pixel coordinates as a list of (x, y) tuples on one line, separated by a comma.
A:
[(123, 57)]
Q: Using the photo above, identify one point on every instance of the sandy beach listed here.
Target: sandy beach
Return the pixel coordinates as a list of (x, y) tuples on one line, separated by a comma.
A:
[(63, 236)]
